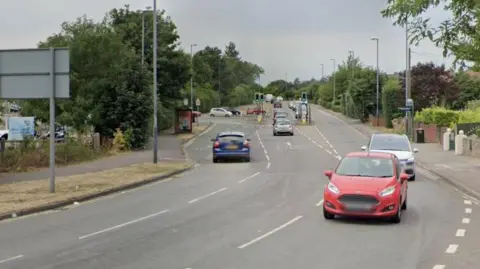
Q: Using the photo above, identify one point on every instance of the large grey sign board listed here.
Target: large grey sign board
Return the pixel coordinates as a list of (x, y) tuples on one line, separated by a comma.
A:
[(27, 73)]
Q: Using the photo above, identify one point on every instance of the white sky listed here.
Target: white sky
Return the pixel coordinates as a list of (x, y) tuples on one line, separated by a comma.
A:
[(292, 38)]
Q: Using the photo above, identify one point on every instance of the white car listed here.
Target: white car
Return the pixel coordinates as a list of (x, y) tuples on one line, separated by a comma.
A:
[(219, 112), (399, 145)]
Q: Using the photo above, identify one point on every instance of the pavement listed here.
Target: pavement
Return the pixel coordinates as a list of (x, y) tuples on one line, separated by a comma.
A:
[(169, 148), (262, 214)]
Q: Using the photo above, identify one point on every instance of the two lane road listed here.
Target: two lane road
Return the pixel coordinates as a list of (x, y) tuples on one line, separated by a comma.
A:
[(263, 214)]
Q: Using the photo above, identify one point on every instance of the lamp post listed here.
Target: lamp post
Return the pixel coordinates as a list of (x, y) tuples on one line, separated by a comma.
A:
[(143, 33), (155, 97), (378, 79), (323, 73), (191, 75)]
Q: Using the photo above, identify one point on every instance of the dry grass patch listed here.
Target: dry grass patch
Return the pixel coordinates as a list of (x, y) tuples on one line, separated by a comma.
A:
[(19, 196), (196, 130)]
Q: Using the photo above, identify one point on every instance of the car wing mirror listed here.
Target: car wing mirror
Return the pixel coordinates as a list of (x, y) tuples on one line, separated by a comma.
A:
[(328, 173), (403, 177)]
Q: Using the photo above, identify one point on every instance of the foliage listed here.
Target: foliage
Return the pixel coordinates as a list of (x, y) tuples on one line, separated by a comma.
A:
[(458, 35), (389, 100), (437, 115), (119, 141), (469, 89), (432, 86)]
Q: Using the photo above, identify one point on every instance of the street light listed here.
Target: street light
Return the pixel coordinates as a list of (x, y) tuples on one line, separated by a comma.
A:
[(147, 9), (378, 80), (334, 70), (352, 54), (191, 75), (155, 97)]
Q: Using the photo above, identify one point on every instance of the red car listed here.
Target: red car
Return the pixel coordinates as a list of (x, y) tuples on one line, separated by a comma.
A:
[(366, 184), (256, 111)]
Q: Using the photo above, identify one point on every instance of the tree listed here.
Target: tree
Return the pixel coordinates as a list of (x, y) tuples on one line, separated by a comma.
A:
[(469, 85), (432, 86), (457, 35), (389, 100)]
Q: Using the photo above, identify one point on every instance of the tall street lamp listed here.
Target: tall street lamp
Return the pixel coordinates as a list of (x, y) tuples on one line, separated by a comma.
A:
[(334, 82), (191, 75), (143, 33), (378, 80), (323, 73), (155, 97)]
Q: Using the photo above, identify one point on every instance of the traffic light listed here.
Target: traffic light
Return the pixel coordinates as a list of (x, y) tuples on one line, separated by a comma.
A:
[(257, 96), (304, 96), (261, 97)]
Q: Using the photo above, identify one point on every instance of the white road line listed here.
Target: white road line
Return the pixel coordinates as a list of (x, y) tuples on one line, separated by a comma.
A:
[(319, 203), (123, 224), (328, 151), (467, 202), (271, 232), (466, 220), (439, 266), (249, 177), (338, 157), (468, 210), (11, 259), (206, 196), (268, 165), (451, 249), (460, 233)]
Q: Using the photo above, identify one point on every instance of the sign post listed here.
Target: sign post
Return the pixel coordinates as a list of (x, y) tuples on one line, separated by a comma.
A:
[(198, 103), (37, 74)]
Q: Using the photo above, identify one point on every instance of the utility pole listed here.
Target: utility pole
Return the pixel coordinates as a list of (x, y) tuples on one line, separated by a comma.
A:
[(143, 34), (218, 71), (323, 72), (191, 75), (407, 78), (155, 96), (352, 55)]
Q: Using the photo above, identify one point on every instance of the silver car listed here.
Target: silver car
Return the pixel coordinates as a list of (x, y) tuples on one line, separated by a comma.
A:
[(283, 126), (399, 145)]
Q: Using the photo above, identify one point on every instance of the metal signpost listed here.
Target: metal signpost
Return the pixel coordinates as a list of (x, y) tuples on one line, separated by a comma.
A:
[(198, 103), (37, 74)]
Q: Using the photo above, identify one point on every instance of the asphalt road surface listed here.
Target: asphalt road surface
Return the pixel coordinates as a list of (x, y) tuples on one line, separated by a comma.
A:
[(262, 214)]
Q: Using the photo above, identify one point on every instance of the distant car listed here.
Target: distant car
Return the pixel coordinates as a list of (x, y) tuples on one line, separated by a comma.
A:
[(279, 117), (255, 111), (366, 184), (277, 104), (231, 145), (219, 112), (291, 105), (282, 126), (234, 111), (395, 144)]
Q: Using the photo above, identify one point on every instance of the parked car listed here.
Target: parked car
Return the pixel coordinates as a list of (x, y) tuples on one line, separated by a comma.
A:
[(219, 112), (255, 111), (235, 111)]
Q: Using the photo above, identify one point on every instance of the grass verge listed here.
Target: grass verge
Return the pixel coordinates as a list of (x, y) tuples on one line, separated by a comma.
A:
[(196, 131), (24, 197)]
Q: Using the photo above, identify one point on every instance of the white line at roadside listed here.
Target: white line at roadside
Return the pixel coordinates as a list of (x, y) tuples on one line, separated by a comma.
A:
[(290, 222), (206, 196), (11, 259), (439, 266), (123, 224), (319, 203), (249, 177)]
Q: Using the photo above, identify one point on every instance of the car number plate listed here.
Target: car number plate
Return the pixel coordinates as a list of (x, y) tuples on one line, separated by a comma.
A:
[(358, 207), (232, 147)]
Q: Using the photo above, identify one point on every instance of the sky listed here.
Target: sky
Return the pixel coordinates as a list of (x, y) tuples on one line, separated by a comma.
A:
[(289, 39)]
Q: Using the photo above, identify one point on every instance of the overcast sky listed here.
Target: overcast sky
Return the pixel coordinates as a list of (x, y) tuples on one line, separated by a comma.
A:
[(286, 38)]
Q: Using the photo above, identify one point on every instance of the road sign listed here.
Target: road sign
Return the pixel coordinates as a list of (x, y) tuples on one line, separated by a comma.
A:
[(197, 102), (185, 101), (405, 108), (37, 74)]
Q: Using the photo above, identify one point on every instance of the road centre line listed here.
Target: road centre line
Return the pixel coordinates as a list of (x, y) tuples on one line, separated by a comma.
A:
[(249, 177), (268, 165), (123, 224), (11, 259), (324, 138), (468, 210), (467, 202), (206, 196), (466, 220), (290, 222), (451, 249), (439, 266), (460, 233)]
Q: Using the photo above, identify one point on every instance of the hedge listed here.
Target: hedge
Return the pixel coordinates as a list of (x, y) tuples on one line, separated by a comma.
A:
[(438, 115), (389, 100)]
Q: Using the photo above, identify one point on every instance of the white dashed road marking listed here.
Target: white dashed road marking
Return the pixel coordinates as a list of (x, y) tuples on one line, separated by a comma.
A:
[(439, 266), (468, 210), (249, 177), (465, 220), (206, 195), (11, 259), (451, 249), (290, 222), (467, 202), (460, 233), (264, 149), (334, 153)]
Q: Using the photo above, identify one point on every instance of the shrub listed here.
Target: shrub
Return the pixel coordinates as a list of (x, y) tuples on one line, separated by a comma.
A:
[(437, 115), (119, 142), (389, 100)]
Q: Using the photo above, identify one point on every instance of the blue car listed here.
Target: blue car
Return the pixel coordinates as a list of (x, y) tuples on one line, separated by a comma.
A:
[(231, 145)]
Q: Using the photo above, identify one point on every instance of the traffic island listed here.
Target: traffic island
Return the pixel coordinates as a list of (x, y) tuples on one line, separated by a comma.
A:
[(29, 197)]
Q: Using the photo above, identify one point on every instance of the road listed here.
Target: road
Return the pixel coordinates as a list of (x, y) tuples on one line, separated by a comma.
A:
[(263, 214)]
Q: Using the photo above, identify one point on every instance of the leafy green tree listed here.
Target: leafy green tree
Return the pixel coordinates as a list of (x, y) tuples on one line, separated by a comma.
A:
[(469, 86), (458, 34), (389, 100)]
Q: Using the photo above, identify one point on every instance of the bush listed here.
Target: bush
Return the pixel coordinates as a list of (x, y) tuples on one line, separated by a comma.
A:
[(438, 115), (26, 155), (119, 142)]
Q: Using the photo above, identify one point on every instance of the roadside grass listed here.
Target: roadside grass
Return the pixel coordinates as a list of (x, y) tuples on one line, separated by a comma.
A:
[(23, 195)]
